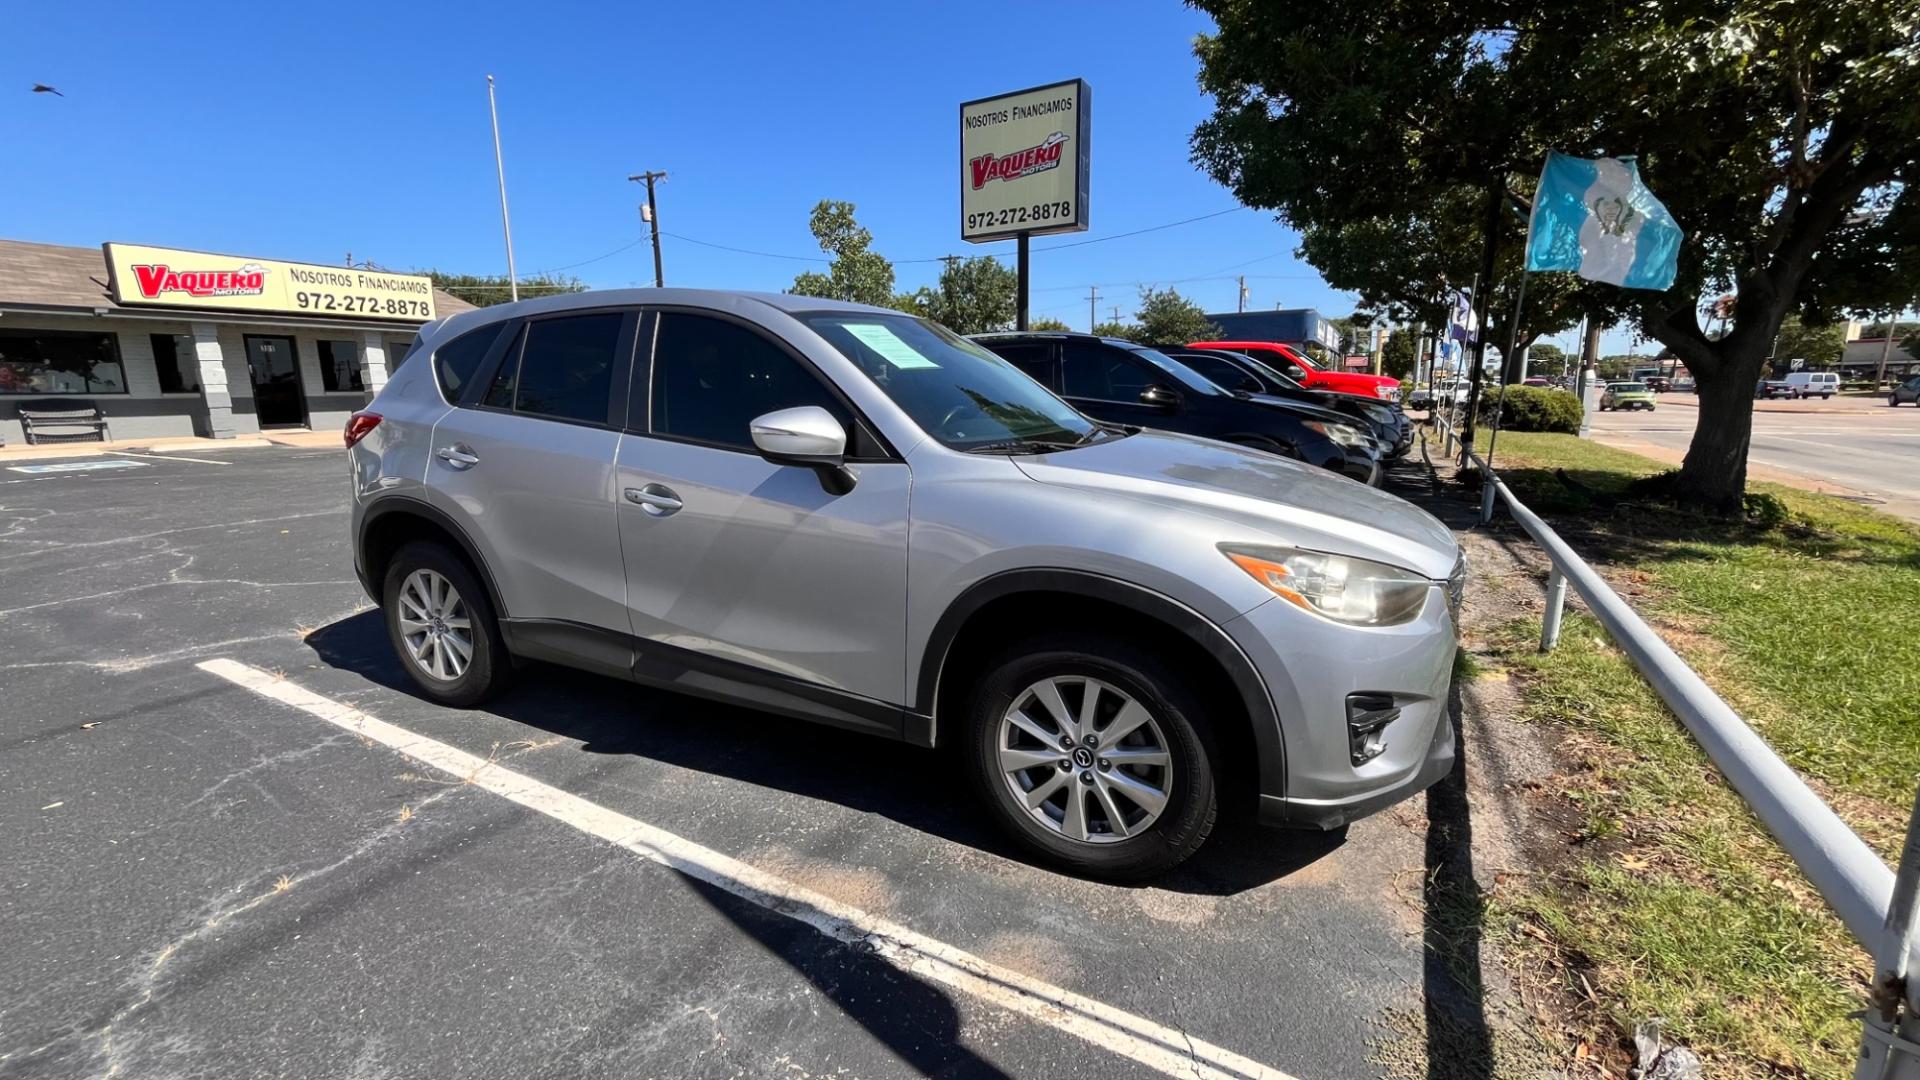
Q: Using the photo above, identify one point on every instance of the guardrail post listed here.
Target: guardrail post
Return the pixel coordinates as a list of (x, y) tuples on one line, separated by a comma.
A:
[(1487, 486), (1556, 606), (1890, 1041)]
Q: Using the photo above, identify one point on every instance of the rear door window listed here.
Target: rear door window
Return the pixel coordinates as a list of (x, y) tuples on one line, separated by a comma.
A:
[(567, 365), (1034, 359), (1101, 373)]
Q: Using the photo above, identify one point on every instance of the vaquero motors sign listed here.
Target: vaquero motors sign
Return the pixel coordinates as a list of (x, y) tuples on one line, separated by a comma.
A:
[(140, 276), (156, 281), (1023, 160)]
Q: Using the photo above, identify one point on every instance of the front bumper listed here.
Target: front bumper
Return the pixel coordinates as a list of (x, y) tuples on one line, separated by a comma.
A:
[(1312, 666)]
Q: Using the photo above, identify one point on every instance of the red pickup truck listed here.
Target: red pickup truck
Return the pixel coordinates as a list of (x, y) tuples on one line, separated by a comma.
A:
[(1291, 362)]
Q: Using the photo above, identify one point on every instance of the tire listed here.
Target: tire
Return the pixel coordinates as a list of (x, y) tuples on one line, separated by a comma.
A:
[(1175, 730), (434, 660)]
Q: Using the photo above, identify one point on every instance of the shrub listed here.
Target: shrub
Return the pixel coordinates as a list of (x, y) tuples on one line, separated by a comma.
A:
[(1533, 408)]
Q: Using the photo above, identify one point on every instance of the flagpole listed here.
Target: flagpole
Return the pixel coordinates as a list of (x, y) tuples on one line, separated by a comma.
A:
[(1513, 335), (499, 167)]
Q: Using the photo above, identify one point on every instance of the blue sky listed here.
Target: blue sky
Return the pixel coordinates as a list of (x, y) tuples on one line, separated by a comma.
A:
[(309, 131)]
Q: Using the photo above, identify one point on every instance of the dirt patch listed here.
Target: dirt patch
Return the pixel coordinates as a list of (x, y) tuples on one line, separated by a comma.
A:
[(859, 886)]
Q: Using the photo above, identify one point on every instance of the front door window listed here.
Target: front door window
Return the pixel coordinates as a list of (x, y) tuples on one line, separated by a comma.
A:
[(275, 368)]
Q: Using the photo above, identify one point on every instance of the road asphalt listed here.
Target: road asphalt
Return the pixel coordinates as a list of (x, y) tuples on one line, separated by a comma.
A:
[(199, 879), (1854, 447)]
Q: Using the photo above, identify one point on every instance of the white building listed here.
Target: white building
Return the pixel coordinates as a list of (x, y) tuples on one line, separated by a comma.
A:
[(172, 343)]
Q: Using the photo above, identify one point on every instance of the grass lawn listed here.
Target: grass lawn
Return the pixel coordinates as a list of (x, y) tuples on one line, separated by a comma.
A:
[(1675, 903)]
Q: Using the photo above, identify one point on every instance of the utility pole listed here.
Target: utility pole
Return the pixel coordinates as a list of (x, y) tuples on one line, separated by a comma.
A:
[(1886, 346), (1093, 313), (1116, 314), (1243, 292), (506, 224), (653, 219)]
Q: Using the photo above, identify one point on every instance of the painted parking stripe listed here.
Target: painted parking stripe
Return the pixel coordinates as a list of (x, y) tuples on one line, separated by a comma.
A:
[(177, 457), (77, 466), (1156, 1046)]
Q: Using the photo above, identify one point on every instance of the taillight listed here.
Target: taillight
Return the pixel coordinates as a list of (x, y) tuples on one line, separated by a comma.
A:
[(359, 424)]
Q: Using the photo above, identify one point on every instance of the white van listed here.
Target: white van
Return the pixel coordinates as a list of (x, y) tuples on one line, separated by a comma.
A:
[(1808, 383)]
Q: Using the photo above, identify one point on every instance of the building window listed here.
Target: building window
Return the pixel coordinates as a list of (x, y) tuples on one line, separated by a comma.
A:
[(175, 358), (397, 350), (60, 362), (340, 367)]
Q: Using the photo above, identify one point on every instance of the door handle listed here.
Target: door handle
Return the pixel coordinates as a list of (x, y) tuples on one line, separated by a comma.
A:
[(656, 499), (460, 457)]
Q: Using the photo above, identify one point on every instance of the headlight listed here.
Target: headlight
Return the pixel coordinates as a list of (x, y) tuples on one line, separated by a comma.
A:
[(1356, 591), (1344, 434)]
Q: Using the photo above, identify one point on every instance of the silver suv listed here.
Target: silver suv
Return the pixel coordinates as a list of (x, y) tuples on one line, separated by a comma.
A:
[(844, 514)]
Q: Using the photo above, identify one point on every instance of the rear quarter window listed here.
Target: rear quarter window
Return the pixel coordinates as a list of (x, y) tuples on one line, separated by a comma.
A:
[(455, 362)]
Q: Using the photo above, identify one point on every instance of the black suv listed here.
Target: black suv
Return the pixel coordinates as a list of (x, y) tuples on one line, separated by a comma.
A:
[(1238, 371), (1116, 380)]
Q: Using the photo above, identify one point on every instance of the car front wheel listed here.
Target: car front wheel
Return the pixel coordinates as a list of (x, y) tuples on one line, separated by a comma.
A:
[(442, 626), (1094, 755)]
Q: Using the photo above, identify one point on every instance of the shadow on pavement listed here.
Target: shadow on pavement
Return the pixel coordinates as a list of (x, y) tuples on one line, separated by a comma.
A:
[(922, 789), (1459, 1041)]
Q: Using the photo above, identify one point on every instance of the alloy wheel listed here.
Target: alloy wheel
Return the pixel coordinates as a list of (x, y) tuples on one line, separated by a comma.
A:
[(435, 625), (1085, 759)]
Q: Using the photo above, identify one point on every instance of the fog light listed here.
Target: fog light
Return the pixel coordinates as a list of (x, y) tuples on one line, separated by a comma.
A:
[(1367, 718)]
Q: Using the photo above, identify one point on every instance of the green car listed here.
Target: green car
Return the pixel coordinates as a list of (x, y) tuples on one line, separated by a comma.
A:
[(1626, 395)]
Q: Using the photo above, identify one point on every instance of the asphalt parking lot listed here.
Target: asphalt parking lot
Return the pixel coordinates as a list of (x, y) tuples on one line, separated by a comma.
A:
[(218, 860)]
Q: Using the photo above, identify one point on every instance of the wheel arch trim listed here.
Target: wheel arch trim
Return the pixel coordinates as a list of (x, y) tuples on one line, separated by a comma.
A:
[(405, 504), (1248, 685)]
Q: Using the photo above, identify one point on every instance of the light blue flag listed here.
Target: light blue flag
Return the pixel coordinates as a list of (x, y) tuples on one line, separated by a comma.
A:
[(1594, 217)]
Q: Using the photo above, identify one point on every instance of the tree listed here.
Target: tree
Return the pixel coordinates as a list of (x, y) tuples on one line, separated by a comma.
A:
[(1547, 356), (1397, 356), (855, 274), (1047, 324), (1781, 136), (1820, 346), (974, 296), (1127, 331), (485, 290), (1167, 318)]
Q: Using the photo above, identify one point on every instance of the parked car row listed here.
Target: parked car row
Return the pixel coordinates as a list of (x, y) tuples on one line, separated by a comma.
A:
[(849, 515)]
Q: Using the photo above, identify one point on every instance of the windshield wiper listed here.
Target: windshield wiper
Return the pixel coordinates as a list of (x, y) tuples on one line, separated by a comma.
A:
[(1030, 446)]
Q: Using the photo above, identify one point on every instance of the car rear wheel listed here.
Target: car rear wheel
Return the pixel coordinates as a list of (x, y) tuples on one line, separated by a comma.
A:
[(442, 626), (1093, 755)]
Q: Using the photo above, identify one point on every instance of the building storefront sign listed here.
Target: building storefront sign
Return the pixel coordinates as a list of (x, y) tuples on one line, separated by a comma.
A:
[(169, 277), (1023, 162)]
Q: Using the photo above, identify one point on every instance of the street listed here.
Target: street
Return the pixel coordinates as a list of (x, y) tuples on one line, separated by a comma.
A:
[(239, 845), (1849, 446)]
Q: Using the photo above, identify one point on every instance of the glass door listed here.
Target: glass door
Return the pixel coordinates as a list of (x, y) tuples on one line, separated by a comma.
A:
[(277, 398)]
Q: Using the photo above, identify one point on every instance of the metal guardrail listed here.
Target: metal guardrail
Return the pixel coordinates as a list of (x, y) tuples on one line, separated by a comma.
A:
[(1880, 908)]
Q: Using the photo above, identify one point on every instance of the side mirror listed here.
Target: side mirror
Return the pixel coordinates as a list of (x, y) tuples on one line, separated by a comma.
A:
[(1159, 397), (808, 436)]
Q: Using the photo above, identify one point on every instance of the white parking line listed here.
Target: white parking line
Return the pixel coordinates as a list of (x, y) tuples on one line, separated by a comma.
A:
[(1134, 1037), (173, 457)]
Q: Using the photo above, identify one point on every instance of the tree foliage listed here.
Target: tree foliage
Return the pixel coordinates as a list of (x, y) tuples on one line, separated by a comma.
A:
[(485, 290), (1116, 329), (1782, 136), (856, 273), (1167, 318), (1047, 323), (973, 296), (1398, 355), (1819, 345)]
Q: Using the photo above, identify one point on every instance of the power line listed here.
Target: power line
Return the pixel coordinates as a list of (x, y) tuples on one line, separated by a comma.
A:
[(762, 254)]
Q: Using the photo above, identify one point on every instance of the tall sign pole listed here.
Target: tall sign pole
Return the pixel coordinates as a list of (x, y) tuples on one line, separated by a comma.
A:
[(653, 219), (1023, 171), (500, 168)]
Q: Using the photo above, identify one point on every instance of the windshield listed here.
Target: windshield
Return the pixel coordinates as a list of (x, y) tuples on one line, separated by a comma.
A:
[(957, 392), (1627, 387), (1267, 370), (1187, 377)]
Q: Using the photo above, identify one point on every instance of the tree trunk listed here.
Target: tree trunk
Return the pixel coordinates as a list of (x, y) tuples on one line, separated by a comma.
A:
[(1714, 475)]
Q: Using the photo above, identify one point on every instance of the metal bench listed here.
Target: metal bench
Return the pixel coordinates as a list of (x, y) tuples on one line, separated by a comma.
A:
[(63, 420)]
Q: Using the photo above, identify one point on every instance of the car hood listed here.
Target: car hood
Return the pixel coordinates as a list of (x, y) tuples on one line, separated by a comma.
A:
[(1306, 409), (1256, 496)]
